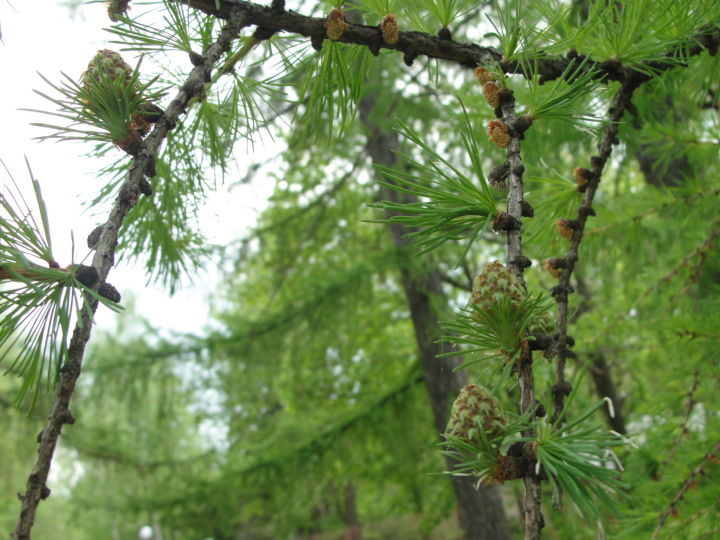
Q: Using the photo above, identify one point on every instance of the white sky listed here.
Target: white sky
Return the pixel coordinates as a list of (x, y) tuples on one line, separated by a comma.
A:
[(40, 36)]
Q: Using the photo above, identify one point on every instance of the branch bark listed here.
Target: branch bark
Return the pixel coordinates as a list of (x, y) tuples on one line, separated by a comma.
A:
[(60, 414), (533, 521), (561, 291), (413, 44)]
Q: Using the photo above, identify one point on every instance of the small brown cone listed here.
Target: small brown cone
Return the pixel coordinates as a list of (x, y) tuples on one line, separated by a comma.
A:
[(491, 91), (582, 177), (335, 24), (498, 133), (565, 228), (482, 75), (553, 267), (390, 29)]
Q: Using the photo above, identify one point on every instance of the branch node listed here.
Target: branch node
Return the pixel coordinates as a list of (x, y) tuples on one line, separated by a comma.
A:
[(613, 69), (582, 177), (522, 123), (66, 417), (409, 56), (375, 43), (196, 59), (566, 227), (87, 275), (149, 169), (111, 293), (506, 97), (262, 33), (145, 187), (505, 222), (541, 342), (316, 40), (444, 33), (94, 237), (498, 175), (521, 262), (560, 293), (561, 389), (526, 210)]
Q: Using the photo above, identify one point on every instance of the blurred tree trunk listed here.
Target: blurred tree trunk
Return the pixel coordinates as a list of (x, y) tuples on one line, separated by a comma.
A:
[(481, 512), (348, 513)]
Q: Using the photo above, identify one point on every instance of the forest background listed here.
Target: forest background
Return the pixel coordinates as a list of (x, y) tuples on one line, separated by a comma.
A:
[(311, 403)]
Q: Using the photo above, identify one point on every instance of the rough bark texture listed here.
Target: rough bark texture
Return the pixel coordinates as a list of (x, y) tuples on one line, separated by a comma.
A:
[(481, 511), (562, 290), (275, 18), (533, 521)]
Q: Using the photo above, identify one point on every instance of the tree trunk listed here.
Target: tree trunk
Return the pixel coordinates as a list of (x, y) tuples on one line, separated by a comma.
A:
[(481, 512)]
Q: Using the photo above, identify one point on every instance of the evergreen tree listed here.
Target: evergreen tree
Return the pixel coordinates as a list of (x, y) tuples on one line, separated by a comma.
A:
[(582, 134)]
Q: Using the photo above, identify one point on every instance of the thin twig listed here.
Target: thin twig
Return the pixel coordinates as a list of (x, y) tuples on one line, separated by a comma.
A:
[(467, 286), (103, 260), (691, 334), (689, 406), (687, 484), (699, 251), (533, 521), (622, 99), (650, 211)]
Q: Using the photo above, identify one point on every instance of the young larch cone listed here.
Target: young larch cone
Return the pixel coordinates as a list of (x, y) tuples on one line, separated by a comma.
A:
[(493, 284), (482, 75), (390, 29), (475, 411), (565, 227), (498, 133), (335, 24), (491, 91), (107, 65), (582, 177), (553, 266)]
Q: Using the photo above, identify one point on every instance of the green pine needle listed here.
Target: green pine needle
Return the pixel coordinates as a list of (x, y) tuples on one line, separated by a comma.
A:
[(496, 333), (451, 205), (37, 303), (560, 99), (574, 462), (97, 113)]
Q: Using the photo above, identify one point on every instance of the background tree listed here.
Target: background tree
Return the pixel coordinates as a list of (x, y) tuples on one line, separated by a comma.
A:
[(316, 312)]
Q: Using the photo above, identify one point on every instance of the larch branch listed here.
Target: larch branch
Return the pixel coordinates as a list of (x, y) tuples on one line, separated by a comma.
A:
[(60, 414)]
